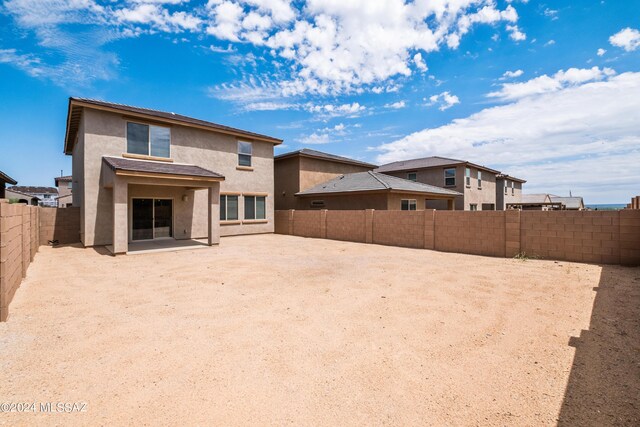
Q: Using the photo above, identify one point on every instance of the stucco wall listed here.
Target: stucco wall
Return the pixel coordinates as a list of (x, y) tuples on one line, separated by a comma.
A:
[(104, 134), (287, 182)]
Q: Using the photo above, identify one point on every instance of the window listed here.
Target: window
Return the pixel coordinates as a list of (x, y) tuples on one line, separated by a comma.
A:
[(69, 184), (513, 188), (228, 208), (244, 153), (255, 207), (450, 177), (473, 207), (412, 176), (317, 204), (506, 185), (148, 140), (467, 177), (479, 179), (408, 205)]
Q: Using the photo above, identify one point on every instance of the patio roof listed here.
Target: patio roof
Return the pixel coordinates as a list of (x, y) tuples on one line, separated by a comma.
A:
[(152, 169)]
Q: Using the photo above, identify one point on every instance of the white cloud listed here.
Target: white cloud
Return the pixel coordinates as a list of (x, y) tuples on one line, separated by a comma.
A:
[(316, 139), (396, 105), (628, 39), (445, 100), (512, 74), (551, 13), (546, 84), (157, 17), (420, 64), (601, 52), (550, 43), (568, 139), (515, 34)]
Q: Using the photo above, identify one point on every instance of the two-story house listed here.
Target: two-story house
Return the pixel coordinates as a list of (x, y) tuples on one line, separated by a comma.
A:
[(141, 174), (508, 191), (46, 196), (477, 184), (64, 184)]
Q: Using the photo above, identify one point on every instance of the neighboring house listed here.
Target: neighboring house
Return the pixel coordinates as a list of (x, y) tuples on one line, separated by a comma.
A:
[(65, 186), (477, 184), (371, 190), (27, 199), (303, 169), (4, 180), (46, 195), (569, 203), (508, 191), (141, 174)]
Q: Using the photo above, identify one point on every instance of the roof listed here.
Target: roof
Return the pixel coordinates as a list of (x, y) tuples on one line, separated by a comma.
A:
[(6, 178), (428, 162), (162, 168), (535, 199), (67, 178), (76, 105), (569, 202), (512, 178), (9, 190), (306, 152), (372, 181), (34, 190)]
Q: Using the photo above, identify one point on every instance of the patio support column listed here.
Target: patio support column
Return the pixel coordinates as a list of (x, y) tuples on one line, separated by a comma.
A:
[(120, 216), (214, 214)]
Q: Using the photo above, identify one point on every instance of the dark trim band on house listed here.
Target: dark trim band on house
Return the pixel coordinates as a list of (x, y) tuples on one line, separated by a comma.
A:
[(77, 104), (6, 178)]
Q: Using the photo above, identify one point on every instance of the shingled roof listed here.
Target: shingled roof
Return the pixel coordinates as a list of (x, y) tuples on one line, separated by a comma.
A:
[(162, 168), (306, 152), (77, 104), (372, 181)]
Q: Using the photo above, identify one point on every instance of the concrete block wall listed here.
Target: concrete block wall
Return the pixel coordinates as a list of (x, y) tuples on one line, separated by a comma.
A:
[(346, 225), (482, 233), (19, 229), (607, 237), (62, 225)]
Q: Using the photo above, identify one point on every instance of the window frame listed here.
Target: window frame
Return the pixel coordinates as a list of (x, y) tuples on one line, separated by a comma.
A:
[(467, 177), (226, 207), (473, 207), (415, 176), (250, 165), (479, 180), (255, 198), (513, 188), (450, 177), (506, 186), (410, 203), (149, 125)]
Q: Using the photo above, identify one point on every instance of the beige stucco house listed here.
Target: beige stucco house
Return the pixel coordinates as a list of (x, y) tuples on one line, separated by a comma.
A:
[(141, 174), (478, 184), (64, 184)]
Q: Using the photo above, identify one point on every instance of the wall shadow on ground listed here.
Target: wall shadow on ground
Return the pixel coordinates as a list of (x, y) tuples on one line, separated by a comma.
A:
[(604, 383)]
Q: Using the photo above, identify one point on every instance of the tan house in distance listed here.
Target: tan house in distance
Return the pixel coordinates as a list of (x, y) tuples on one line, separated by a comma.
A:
[(65, 186), (508, 191), (477, 184), (303, 169), (141, 174)]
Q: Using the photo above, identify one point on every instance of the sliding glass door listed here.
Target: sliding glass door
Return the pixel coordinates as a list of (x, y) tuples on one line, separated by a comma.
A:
[(151, 219)]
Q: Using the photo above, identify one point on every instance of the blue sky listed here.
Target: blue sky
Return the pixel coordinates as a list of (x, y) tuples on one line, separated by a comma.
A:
[(546, 91)]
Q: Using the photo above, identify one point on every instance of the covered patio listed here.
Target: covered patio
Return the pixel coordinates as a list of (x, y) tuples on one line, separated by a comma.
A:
[(159, 205)]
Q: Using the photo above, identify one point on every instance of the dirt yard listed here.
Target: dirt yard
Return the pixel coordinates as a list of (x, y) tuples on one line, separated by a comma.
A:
[(280, 330)]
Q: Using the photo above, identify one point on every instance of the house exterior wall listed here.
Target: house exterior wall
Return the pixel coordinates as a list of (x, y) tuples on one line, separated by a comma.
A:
[(104, 134), (299, 173), (287, 182), (346, 201), (471, 194), (502, 199)]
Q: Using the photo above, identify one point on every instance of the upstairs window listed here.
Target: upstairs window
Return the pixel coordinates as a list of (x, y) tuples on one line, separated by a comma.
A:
[(228, 208), (513, 188), (450, 177), (506, 185), (479, 179), (412, 176), (408, 205), (255, 207), (148, 140), (245, 150), (467, 177), (70, 185)]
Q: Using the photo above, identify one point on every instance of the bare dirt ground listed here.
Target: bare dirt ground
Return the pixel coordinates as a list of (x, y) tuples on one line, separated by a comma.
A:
[(275, 330)]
